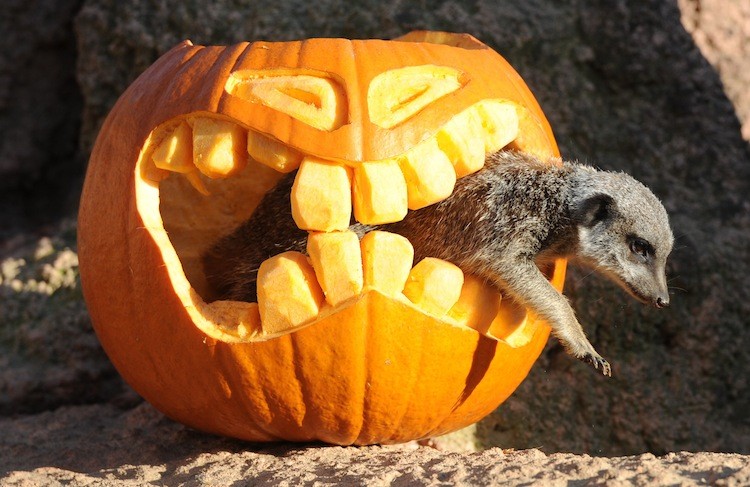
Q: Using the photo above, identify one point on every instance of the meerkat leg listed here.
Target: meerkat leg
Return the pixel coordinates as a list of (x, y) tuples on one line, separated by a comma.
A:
[(526, 284)]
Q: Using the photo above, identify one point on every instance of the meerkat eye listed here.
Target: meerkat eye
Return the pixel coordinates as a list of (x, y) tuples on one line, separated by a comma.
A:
[(641, 247)]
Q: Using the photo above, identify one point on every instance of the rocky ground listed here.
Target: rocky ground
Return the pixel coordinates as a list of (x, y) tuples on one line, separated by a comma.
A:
[(102, 445), (646, 87)]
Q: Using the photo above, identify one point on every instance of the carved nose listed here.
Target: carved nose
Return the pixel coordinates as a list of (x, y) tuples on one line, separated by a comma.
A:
[(662, 302)]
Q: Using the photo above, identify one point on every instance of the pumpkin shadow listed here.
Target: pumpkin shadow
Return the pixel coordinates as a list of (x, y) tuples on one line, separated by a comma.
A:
[(127, 443), (480, 365)]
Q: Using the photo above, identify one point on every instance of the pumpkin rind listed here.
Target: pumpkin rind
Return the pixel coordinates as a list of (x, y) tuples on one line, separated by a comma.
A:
[(375, 369)]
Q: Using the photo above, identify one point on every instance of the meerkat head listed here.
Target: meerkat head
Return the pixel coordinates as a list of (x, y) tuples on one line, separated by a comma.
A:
[(623, 231)]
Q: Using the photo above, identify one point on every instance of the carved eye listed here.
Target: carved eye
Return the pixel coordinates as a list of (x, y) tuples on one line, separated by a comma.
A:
[(318, 101), (396, 95), (641, 248)]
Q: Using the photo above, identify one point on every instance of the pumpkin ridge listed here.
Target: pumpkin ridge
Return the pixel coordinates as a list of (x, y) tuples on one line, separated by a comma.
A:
[(366, 389), (308, 419), (399, 425), (229, 361)]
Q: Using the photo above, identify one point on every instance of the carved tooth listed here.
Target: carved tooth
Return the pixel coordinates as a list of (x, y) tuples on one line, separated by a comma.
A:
[(379, 193), (477, 306), (511, 324), (194, 177), (386, 260), (482, 308), (175, 154), (462, 139), (500, 122), (321, 196), (429, 174), (219, 147), (272, 153), (288, 292), (150, 172), (236, 318), (337, 260), (434, 286)]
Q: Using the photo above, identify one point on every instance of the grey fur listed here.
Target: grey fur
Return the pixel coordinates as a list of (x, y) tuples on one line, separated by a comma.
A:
[(503, 224)]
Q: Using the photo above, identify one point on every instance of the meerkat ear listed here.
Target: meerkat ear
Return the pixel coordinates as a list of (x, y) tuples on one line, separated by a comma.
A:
[(593, 209)]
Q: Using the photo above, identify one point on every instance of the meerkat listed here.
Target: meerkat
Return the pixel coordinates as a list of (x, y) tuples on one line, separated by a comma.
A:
[(502, 224)]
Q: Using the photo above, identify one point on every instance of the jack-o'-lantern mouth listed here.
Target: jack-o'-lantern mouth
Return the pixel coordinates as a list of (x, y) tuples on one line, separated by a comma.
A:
[(201, 175), (203, 146)]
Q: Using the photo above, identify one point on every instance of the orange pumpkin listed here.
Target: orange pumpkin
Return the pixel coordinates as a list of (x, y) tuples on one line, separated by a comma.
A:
[(357, 361)]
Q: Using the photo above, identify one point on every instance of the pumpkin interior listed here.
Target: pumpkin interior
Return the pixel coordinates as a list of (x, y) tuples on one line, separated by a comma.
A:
[(200, 176)]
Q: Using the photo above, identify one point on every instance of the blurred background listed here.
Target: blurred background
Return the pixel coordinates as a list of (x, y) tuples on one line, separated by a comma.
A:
[(657, 88)]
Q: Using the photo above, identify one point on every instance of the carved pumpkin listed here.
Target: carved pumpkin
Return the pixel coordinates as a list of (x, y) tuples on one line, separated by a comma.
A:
[(353, 345)]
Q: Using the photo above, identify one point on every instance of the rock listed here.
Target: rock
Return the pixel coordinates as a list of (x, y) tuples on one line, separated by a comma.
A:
[(626, 88), (40, 113), (722, 32), (102, 445), (49, 355)]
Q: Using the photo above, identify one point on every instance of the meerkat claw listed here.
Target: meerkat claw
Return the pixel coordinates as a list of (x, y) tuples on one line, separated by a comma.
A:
[(597, 361)]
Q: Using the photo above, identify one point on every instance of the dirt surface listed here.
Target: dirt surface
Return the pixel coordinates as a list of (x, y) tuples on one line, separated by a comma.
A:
[(103, 445)]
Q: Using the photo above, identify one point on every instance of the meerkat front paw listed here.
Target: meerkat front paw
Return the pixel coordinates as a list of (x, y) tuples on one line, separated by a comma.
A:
[(598, 362)]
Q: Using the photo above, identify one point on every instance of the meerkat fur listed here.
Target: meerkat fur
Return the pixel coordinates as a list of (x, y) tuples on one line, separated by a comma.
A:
[(505, 224)]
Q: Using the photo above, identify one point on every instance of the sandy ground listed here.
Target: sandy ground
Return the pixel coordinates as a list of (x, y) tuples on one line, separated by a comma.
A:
[(103, 445)]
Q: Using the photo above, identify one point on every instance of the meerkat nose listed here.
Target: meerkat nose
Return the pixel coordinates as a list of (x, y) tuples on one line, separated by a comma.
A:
[(662, 302)]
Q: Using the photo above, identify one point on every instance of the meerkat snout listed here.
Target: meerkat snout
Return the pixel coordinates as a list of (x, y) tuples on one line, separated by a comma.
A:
[(623, 231)]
